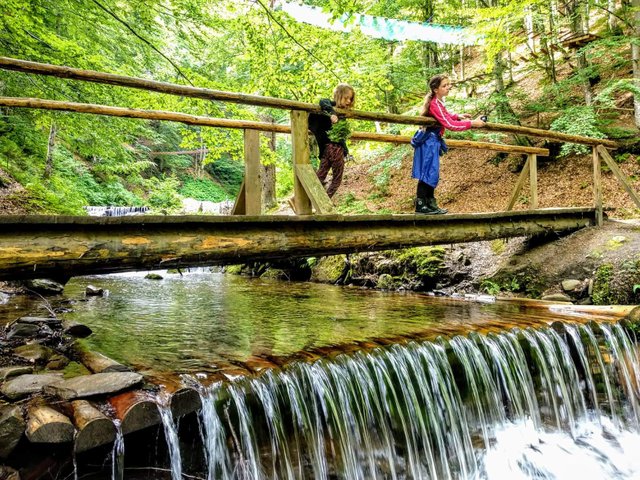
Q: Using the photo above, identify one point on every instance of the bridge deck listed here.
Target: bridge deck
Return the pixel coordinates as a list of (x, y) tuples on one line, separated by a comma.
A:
[(36, 246)]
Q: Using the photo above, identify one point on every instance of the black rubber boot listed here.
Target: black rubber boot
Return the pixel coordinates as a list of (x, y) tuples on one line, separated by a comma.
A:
[(422, 206), (433, 206)]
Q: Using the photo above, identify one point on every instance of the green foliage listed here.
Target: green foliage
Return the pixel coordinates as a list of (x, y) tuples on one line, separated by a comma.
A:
[(383, 169), (163, 194), (426, 262), (340, 132), (202, 189), (577, 120), (229, 173), (351, 205)]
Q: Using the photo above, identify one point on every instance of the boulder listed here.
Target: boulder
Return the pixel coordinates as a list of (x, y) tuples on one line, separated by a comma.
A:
[(45, 286), (34, 352), (95, 384), (90, 290), (14, 371), (28, 384), (571, 284)]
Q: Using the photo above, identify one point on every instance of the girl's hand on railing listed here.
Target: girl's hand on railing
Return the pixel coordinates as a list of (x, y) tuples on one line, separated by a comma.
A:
[(478, 122)]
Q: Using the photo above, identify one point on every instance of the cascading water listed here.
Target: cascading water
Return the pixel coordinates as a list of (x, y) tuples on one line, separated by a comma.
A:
[(521, 404), (112, 211)]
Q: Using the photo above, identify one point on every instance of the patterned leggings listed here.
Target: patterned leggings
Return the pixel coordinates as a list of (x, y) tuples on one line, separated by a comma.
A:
[(333, 159)]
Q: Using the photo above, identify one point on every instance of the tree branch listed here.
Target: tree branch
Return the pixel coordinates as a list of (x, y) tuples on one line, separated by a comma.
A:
[(266, 9), (153, 47)]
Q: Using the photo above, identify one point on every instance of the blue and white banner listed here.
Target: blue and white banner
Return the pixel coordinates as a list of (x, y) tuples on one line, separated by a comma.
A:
[(380, 27)]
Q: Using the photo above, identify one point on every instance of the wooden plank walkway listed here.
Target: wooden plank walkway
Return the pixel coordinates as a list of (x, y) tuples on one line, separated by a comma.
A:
[(34, 246)]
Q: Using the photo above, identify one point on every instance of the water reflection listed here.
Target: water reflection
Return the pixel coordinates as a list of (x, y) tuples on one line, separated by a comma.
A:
[(191, 322)]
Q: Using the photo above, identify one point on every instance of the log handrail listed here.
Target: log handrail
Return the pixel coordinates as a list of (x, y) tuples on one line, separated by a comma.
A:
[(256, 100), (239, 124)]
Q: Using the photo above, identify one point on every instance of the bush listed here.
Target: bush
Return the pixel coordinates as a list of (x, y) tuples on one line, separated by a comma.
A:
[(203, 189), (577, 120)]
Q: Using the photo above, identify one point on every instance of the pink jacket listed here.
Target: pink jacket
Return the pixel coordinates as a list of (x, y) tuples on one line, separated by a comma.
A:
[(446, 119)]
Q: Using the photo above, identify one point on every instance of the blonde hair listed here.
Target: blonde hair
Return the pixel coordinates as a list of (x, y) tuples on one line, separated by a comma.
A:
[(341, 91), (434, 84)]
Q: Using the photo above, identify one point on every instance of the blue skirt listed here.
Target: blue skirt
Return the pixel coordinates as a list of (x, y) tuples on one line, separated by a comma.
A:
[(426, 158)]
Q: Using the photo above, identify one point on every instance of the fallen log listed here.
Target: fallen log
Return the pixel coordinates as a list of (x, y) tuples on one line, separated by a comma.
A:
[(46, 425), (96, 362), (94, 427), (135, 410)]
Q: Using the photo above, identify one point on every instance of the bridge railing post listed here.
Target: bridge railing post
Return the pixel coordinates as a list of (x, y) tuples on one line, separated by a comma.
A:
[(249, 200), (533, 180), (300, 147), (597, 186)]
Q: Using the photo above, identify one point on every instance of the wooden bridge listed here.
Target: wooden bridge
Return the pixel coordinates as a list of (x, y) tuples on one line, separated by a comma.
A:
[(55, 246)]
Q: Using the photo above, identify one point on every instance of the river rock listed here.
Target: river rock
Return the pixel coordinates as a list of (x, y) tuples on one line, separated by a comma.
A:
[(95, 384), (51, 321), (91, 290), (45, 286), (557, 297), (27, 384), (8, 372), (11, 429), (153, 276), (75, 329), (22, 330), (57, 362), (34, 352), (570, 284)]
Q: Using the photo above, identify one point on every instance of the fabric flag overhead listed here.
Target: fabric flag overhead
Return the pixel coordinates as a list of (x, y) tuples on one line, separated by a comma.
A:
[(380, 27)]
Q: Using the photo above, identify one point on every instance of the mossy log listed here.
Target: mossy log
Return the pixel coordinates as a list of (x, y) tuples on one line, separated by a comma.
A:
[(46, 425), (94, 427), (96, 362), (37, 245)]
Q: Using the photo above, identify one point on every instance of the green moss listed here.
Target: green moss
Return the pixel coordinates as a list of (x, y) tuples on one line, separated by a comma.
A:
[(387, 282), (75, 369), (602, 285), (328, 269), (233, 269), (426, 262), (498, 246), (616, 242), (274, 274), (526, 281)]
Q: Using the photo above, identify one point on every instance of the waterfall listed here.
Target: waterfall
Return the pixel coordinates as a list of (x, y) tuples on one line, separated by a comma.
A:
[(112, 211), (171, 435), (520, 404), (117, 454)]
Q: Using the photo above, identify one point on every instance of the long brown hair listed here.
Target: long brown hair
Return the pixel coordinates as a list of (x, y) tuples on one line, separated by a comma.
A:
[(341, 91), (434, 84)]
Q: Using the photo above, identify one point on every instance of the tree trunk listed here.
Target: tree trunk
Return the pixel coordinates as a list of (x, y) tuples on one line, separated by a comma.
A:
[(579, 26), (48, 166), (635, 58)]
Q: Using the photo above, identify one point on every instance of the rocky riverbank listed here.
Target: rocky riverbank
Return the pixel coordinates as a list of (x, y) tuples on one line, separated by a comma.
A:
[(598, 266)]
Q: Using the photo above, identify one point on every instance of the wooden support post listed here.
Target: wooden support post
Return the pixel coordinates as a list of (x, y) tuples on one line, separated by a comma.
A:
[(252, 173), (597, 188), (532, 159), (300, 144), (521, 179), (622, 178), (240, 207)]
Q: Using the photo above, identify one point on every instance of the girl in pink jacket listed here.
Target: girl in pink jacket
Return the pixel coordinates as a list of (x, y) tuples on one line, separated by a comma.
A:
[(429, 144)]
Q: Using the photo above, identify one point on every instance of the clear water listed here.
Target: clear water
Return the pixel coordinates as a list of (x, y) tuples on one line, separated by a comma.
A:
[(201, 320), (517, 403)]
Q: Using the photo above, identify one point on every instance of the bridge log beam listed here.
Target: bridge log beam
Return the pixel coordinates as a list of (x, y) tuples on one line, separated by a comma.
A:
[(34, 246)]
